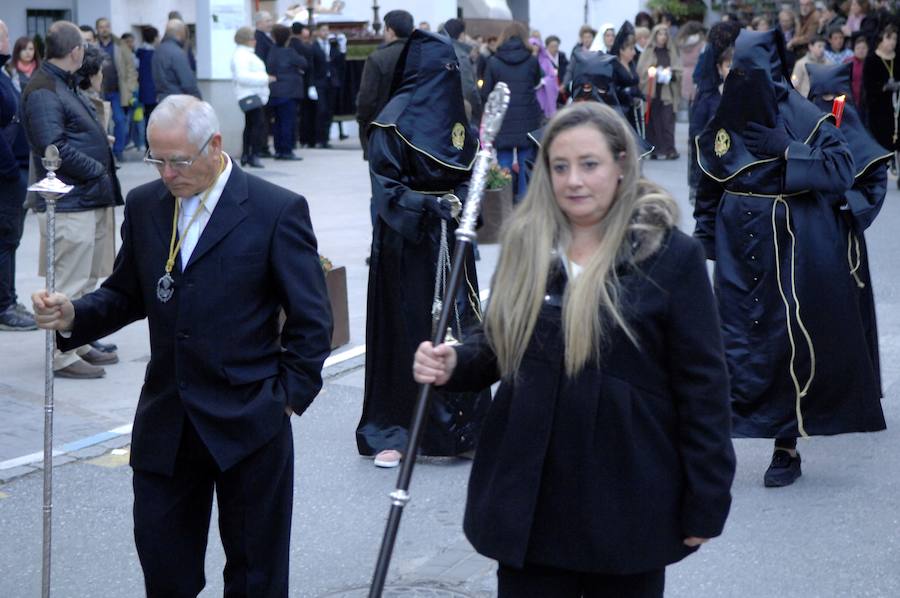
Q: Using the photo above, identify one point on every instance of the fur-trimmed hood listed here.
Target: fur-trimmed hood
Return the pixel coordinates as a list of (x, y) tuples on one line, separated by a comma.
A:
[(654, 216)]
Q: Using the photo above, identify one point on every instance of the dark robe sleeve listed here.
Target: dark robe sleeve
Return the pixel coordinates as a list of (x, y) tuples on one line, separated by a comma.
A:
[(825, 166), (867, 196), (706, 206), (117, 303), (476, 365), (699, 383), (401, 208)]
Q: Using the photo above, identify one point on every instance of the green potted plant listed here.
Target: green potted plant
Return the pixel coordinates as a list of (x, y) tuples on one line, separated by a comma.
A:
[(682, 10), (496, 204)]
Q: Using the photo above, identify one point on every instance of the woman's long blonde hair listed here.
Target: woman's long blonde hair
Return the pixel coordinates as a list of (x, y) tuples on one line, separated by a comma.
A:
[(632, 229)]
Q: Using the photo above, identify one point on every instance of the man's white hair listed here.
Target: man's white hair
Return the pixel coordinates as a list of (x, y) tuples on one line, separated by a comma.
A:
[(196, 116), (261, 16)]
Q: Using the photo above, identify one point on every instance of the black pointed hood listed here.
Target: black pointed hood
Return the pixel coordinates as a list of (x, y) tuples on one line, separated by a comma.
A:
[(762, 50), (834, 79), (750, 95), (593, 78), (426, 106)]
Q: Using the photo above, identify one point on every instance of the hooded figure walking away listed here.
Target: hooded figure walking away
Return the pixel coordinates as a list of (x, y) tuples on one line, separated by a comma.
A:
[(769, 212), (865, 198), (421, 151)]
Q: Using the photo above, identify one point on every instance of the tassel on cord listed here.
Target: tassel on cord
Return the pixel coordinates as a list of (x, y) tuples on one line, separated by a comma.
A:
[(853, 241)]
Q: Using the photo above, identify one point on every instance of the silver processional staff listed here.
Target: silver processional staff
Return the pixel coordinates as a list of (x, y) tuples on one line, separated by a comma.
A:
[(51, 189)]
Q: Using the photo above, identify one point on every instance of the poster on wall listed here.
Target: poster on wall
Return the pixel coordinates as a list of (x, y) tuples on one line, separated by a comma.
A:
[(228, 15)]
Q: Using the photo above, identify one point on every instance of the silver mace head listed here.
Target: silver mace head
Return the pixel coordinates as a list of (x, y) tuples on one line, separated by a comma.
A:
[(492, 119), (50, 187)]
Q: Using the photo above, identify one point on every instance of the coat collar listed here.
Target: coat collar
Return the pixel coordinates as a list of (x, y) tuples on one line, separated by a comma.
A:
[(228, 214)]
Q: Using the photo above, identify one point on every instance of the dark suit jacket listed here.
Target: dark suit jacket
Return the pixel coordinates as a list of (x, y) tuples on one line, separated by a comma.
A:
[(318, 67), (215, 352)]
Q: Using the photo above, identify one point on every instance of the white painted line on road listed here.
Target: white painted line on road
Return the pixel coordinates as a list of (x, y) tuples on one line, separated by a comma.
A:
[(331, 361)]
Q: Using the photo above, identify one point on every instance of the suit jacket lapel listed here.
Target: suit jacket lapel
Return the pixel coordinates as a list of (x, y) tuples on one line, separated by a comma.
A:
[(227, 215)]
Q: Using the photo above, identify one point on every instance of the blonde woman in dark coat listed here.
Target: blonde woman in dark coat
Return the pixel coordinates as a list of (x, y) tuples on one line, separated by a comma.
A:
[(606, 453)]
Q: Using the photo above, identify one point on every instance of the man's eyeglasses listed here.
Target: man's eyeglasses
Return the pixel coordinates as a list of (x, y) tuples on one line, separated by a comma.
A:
[(176, 164)]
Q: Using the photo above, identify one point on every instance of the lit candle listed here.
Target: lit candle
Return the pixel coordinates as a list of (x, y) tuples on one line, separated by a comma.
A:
[(837, 109), (651, 89)]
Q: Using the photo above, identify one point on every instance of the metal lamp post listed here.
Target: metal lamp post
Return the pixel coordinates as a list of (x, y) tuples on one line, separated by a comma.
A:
[(376, 22), (51, 189)]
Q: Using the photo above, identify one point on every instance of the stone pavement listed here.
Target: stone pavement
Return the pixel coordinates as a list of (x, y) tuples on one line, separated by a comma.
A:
[(834, 533)]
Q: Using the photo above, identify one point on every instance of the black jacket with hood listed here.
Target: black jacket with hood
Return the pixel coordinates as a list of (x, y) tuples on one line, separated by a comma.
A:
[(514, 64)]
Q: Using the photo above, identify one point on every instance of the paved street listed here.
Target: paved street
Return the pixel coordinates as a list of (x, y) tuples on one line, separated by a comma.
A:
[(835, 533)]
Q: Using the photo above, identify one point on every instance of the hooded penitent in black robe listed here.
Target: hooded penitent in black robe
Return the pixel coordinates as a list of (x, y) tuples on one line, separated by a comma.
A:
[(420, 147), (796, 345), (594, 80), (865, 198)]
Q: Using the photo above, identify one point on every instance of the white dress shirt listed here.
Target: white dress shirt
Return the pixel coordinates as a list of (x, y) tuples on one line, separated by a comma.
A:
[(189, 205)]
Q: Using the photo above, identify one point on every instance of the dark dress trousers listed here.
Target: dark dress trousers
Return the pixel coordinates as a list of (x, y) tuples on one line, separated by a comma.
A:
[(212, 408), (607, 472)]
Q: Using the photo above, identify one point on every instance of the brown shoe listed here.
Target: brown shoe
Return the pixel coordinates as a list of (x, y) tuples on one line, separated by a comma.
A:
[(80, 370), (95, 357)]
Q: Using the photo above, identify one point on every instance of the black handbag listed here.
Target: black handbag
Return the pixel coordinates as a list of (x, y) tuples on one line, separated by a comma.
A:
[(250, 103)]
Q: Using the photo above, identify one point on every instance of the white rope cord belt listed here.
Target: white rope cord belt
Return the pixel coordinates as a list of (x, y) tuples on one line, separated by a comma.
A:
[(800, 392)]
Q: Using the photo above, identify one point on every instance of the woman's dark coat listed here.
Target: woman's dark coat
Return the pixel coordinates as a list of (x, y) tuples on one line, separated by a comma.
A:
[(794, 338), (611, 470), (883, 121), (412, 163), (288, 67), (514, 64)]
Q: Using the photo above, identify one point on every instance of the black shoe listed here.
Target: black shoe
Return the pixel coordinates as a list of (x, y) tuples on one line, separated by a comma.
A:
[(13, 320), (342, 136), (105, 347), (290, 157), (262, 154), (325, 145), (255, 162), (244, 160), (783, 471)]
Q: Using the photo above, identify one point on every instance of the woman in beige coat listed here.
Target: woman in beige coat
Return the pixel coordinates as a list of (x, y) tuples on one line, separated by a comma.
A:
[(663, 56)]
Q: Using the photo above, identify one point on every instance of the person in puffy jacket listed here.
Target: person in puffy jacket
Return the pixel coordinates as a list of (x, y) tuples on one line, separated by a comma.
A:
[(515, 65), (54, 114)]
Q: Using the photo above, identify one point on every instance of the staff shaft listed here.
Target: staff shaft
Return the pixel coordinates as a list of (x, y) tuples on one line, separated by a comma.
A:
[(400, 496), (49, 347)]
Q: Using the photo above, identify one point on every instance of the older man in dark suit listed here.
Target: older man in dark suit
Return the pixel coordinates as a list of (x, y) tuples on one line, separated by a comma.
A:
[(210, 255)]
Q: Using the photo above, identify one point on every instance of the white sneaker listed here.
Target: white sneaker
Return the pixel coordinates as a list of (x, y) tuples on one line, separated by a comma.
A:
[(387, 459)]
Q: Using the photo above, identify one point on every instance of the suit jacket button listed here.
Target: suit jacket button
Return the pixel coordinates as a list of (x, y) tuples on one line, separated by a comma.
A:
[(182, 384)]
